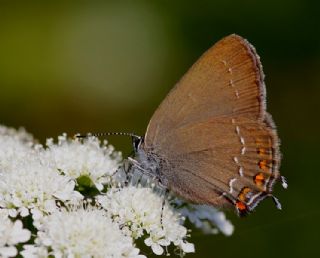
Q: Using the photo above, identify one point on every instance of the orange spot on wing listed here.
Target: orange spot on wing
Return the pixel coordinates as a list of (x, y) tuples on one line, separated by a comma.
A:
[(243, 194), (263, 164), (241, 206), (262, 151), (246, 190), (259, 179)]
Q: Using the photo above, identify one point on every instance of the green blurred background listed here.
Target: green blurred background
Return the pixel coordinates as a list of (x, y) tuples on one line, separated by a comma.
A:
[(98, 66)]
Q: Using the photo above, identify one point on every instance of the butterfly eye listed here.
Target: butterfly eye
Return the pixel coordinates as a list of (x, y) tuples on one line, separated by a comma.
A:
[(136, 142)]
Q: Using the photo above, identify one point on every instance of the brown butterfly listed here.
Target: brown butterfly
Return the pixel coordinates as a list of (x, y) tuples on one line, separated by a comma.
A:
[(211, 140)]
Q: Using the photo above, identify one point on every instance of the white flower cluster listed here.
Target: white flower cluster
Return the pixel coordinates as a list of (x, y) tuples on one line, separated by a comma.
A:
[(203, 217), (71, 197), (140, 211), (75, 159), (27, 182), (80, 231)]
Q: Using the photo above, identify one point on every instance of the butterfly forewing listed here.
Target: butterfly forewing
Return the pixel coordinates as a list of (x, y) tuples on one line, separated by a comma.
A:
[(226, 80)]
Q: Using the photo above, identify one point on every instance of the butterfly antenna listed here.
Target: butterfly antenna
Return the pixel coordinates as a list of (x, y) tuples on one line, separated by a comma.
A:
[(107, 134)]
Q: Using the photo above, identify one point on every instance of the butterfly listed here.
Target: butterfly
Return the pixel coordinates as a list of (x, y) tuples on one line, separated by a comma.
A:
[(211, 141)]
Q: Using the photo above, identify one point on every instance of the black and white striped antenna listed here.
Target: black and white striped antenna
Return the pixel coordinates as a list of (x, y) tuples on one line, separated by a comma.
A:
[(107, 134)]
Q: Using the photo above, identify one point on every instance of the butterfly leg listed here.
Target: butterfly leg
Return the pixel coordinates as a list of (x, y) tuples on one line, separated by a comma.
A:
[(162, 206)]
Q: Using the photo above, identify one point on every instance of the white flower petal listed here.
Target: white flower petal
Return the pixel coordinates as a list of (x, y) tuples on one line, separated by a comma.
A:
[(187, 247), (157, 249), (18, 234), (10, 251), (24, 212)]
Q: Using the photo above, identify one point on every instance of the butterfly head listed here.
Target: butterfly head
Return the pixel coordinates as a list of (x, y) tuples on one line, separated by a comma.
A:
[(136, 142)]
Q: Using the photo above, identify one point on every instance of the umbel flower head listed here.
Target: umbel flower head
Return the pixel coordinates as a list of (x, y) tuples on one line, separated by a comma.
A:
[(81, 231), (76, 202), (141, 212), (27, 183), (87, 159)]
